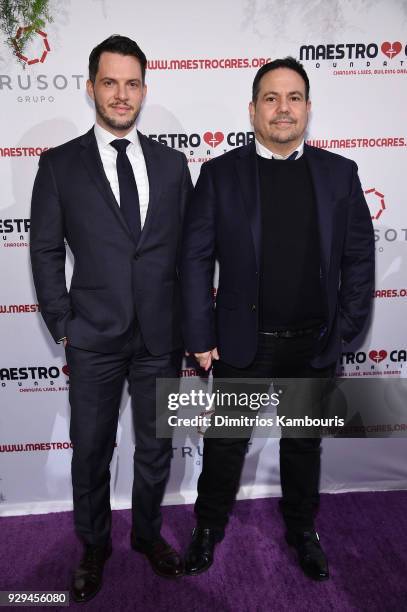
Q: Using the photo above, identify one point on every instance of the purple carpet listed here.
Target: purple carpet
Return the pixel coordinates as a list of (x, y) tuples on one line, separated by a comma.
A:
[(363, 534)]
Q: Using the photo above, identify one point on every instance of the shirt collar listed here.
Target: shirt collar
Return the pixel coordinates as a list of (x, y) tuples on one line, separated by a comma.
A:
[(265, 152), (104, 138)]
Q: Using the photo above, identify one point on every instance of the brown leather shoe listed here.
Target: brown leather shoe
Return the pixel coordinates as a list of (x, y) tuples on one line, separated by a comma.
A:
[(164, 560), (87, 578)]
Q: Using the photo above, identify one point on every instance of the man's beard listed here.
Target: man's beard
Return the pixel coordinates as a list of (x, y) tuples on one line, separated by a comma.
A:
[(285, 138), (116, 124)]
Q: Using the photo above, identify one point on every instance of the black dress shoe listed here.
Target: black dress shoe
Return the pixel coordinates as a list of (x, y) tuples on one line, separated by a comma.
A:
[(87, 578), (310, 554), (164, 560), (199, 556)]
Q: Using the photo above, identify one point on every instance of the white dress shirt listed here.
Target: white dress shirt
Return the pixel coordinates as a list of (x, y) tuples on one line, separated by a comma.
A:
[(265, 152), (135, 154)]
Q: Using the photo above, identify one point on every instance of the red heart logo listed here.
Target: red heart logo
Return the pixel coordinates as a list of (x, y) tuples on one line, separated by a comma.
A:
[(65, 370), (391, 49), (378, 356), (213, 139)]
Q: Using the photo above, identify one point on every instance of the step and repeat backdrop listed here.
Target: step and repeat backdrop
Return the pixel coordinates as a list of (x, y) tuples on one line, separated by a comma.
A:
[(202, 60)]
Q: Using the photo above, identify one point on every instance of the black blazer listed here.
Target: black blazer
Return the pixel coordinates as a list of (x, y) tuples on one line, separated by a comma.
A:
[(224, 222), (114, 278)]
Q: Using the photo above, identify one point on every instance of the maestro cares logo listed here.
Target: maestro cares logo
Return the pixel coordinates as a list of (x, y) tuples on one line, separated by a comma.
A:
[(374, 362), (391, 49), (199, 147), (14, 232), (213, 139), (39, 45), (39, 379), (349, 58)]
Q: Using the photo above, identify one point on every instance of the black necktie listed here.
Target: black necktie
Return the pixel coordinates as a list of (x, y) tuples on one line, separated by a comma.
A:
[(290, 157), (129, 200)]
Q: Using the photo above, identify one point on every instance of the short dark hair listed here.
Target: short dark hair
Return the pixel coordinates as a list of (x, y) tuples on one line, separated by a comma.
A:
[(116, 44), (286, 62)]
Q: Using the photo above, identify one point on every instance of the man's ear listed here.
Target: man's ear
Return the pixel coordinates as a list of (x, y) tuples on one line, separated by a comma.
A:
[(89, 89), (252, 110)]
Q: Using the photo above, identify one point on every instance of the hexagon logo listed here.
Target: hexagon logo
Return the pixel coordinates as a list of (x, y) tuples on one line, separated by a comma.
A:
[(376, 202), (44, 46)]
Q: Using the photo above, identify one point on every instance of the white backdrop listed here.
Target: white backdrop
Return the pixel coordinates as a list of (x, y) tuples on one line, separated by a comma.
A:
[(202, 60)]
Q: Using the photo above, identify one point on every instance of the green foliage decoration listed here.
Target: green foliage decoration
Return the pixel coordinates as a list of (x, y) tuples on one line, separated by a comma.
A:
[(15, 14)]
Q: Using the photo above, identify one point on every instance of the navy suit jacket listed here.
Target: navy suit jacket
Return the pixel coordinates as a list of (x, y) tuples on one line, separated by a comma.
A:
[(114, 278), (224, 222)]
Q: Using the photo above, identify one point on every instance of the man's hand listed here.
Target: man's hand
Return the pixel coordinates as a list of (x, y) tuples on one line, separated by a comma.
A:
[(205, 359), (65, 342)]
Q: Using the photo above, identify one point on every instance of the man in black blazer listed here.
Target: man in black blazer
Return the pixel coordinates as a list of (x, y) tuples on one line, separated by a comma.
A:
[(118, 199), (292, 232)]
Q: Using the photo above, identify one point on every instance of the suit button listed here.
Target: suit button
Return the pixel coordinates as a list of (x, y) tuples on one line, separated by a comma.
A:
[(253, 306)]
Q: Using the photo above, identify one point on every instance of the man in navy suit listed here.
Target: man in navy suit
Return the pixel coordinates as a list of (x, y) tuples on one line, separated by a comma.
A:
[(292, 232), (118, 199)]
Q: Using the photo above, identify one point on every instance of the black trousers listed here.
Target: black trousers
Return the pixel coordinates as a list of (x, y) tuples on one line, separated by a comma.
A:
[(299, 457), (96, 386)]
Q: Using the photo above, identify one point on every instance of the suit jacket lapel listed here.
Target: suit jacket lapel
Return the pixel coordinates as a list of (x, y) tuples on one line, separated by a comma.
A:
[(91, 159), (324, 199), (246, 166), (154, 171)]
